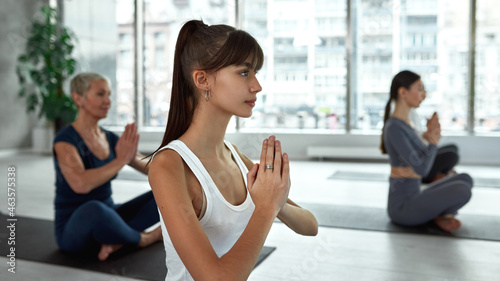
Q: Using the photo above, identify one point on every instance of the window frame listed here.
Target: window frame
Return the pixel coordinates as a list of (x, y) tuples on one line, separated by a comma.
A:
[(139, 44)]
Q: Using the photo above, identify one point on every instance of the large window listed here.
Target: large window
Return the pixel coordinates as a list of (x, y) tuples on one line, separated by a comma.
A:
[(324, 59), (487, 78), (304, 76), (101, 48), (373, 60), (106, 33), (162, 22), (124, 97), (427, 37)]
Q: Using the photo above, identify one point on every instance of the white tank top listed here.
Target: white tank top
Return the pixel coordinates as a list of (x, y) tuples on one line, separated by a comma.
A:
[(223, 222)]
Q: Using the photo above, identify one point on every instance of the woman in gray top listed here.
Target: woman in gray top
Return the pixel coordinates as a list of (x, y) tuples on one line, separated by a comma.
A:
[(411, 160)]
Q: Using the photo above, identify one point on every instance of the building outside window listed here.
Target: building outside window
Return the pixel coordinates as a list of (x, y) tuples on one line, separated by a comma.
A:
[(306, 44), (487, 83)]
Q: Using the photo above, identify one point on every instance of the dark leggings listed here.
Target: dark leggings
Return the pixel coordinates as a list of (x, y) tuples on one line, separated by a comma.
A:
[(407, 205), (446, 159), (96, 222)]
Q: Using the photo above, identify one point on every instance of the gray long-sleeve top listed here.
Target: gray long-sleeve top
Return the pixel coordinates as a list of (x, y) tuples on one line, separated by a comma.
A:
[(406, 149)]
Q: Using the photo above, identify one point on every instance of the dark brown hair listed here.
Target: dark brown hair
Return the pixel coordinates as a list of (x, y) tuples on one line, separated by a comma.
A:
[(403, 79), (208, 48)]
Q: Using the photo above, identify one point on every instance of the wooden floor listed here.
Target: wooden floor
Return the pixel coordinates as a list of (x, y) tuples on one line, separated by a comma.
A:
[(335, 254)]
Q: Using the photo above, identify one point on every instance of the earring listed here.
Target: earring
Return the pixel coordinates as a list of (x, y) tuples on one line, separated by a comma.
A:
[(207, 95)]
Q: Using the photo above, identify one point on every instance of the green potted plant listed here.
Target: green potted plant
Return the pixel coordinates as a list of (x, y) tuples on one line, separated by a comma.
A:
[(44, 67)]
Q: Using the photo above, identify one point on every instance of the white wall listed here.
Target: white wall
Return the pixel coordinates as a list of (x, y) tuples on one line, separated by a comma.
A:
[(15, 21)]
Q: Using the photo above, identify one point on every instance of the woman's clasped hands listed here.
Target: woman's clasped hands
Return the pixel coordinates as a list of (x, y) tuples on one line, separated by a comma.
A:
[(126, 147), (269, 181), (433, 134)]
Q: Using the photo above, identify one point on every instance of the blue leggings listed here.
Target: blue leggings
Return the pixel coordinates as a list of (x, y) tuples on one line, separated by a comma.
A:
[(409, 206), (96, 222)]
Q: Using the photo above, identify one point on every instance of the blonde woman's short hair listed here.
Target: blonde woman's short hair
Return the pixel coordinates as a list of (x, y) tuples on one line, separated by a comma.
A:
[(80, 84)]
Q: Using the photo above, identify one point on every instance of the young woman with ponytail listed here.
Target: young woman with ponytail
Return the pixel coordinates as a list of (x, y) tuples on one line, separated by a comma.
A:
[(411, 160), (216, 206)]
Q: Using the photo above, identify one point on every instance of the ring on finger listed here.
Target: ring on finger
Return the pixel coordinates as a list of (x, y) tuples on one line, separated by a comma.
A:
[(270, 167)]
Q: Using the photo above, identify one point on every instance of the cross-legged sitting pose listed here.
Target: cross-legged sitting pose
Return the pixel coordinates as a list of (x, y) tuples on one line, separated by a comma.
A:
[(411, 160), (87, 158), (216, 205)]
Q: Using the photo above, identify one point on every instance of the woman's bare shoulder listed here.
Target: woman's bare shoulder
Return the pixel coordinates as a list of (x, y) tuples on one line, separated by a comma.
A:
[(166, 162)]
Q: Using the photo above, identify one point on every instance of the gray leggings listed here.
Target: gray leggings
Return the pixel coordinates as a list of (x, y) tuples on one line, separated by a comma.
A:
[(407, 205)]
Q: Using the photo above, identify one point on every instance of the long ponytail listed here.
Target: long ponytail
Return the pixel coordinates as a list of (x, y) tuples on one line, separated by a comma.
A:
[(403, 79), (183, 98)]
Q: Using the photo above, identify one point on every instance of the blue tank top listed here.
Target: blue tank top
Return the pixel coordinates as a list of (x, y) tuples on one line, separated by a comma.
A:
[(66, 200)]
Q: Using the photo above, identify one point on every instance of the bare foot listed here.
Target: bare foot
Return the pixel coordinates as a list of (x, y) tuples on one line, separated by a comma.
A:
[(447, 223), (106, 250), (150, 237)]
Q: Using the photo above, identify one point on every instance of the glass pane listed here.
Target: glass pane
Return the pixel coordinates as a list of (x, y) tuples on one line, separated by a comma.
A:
[(125, 60), (163, 20), (99, 40), (372, 61), (304, 73), (487, 88), (445, 75), (429, 37)]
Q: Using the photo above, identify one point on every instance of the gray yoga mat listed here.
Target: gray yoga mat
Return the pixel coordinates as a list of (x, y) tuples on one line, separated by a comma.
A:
[(376, 219), (366, 176), (35, 242)]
